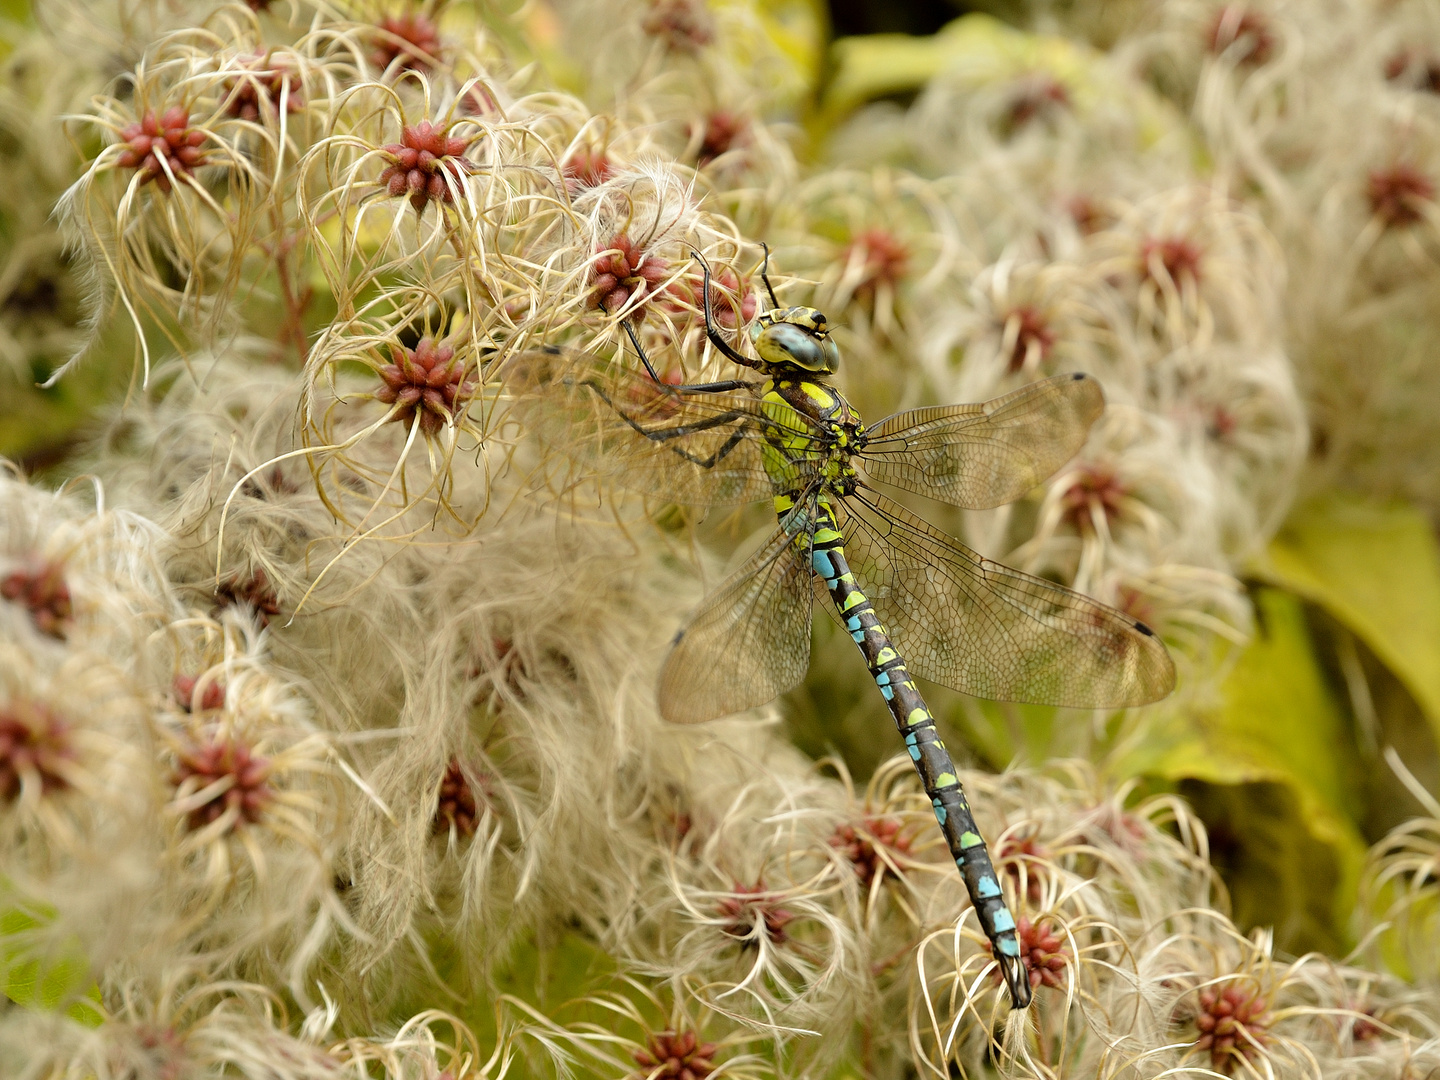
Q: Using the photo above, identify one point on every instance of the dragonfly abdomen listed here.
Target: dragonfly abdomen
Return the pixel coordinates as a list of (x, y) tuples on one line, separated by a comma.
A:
[(927, 750)]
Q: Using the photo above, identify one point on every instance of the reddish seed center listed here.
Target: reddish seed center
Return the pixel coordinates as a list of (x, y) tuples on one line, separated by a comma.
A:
[(723, 131), (1247, 33), (586, 168), (211, 697), (426, 164), (683, 25), (1021, 857), (427, 382), (412, 40), (1088, 215), (1044, 953), (724, 287), (862, 848), (1096, 489), (1399, 195), (749, 908), (1232, 1022), (885, 259), (34, 745), (253, 592), (1036, 97), (624, 270), (675, 1056), (156, 143), (258, 92), (1419, 71), (456, 805), (41, 589), (247, 792), (1032, 333), (1177, 256)]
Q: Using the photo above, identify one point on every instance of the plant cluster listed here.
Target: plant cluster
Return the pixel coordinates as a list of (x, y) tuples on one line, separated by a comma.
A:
[(329, 744)]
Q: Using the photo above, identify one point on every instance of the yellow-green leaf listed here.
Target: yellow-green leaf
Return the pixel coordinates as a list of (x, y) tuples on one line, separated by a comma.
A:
[(59, 980), (1276, 753), (1376, 569), (980, 51)]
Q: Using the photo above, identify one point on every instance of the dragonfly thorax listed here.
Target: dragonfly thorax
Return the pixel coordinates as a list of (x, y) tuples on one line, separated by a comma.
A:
[(794, 340), (829, 415)]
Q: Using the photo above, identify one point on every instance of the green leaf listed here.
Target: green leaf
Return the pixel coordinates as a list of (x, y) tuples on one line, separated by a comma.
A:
[(980, 50), (1270, 764), (1376, 569), (59, 980)]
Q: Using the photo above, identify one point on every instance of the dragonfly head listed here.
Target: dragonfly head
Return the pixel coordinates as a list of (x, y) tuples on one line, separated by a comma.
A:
[(796, 339)]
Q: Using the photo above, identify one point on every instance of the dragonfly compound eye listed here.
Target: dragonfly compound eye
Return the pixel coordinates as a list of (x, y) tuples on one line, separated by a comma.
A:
[(798, 342)]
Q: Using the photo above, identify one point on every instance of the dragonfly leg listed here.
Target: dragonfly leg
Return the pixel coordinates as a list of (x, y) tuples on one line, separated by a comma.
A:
[(665, 434), (639, 349), (693, 388), (710, 331), (928, 753)]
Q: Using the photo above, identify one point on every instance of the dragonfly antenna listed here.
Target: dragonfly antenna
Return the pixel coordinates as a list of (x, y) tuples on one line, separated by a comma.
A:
[(765, 275)]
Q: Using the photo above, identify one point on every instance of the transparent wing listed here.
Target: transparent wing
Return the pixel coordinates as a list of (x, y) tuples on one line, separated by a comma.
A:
[(749, 640), (985, 629), (984, 455), (682, 447)]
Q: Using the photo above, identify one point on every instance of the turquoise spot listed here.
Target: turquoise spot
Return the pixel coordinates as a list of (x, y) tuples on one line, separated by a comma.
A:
[(859, 636), (1002, 920), (883, 678), (987, 888), (887, 693), (940, 813), (852, 623), (1009, 946)]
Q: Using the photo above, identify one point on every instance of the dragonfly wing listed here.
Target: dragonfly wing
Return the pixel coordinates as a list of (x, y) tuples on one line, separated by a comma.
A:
[(678, 446), (979, 456), (985, 629), (750, 639)]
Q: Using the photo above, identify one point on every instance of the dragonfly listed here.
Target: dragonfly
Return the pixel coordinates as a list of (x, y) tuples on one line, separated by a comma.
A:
[(915, 601)]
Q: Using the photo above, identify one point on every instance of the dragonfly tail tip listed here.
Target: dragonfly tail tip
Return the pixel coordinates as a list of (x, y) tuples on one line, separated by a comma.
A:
[(1017, 981)]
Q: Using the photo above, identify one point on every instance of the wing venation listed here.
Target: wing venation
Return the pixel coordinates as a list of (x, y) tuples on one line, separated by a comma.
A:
[(984, 629), (748, 642), (985, 455)]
